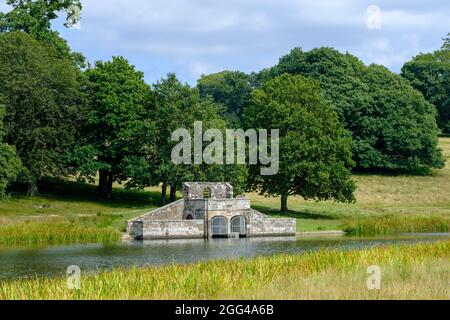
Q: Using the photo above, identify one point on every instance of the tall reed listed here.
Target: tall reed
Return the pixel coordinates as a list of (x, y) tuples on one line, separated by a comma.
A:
[(392, 224), (55, 233)]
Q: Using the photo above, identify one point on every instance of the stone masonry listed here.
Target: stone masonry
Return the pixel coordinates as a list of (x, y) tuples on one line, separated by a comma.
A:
[(208, 210)]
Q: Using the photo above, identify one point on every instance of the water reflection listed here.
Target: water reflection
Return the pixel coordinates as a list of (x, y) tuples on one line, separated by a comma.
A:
[(54, 260)]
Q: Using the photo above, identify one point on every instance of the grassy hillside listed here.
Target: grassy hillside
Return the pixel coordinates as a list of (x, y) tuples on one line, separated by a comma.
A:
[(382, 201), (68, 212), (404, 196)]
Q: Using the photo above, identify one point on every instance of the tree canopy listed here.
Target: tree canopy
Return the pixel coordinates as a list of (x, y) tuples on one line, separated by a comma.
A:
[(9, 163), (315, 150), (43, 100), (392, 126), (118, 119), (178, 106), (231, 90), (34, 17), (60, 119), (430, 74)]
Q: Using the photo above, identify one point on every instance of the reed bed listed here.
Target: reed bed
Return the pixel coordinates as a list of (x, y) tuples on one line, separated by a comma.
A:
[(394, 224), (264, 277), (55, 233)]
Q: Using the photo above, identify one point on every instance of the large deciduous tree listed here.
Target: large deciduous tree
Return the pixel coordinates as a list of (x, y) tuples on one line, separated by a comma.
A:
[(178, 106), (9, 163), (394, 130), (315, 150), (43, 105), (430, 74), (34, 17), (231, 90), (401, 126), (117, 123)]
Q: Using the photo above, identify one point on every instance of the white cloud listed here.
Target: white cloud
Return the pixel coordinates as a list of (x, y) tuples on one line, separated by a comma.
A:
[(419, 20), (200, 36), (380, 44), (198, 69)]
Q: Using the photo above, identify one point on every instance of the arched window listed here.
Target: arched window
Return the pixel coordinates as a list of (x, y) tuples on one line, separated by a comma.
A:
[(189, 217), (219, 227), (207, 193), (239, 226)]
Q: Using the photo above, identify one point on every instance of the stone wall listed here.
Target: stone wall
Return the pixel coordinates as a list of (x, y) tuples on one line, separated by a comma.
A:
[(173, 221), (228, 204), (135, 229), (196, 208), (173, 211), (195, 190), (190, 229), (173, 229), (261, 225)]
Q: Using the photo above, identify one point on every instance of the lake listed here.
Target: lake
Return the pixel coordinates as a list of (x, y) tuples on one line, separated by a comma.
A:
[(54, 260)]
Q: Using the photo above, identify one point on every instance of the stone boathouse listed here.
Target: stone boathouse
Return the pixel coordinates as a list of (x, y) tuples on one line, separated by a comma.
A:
[(208, 210)]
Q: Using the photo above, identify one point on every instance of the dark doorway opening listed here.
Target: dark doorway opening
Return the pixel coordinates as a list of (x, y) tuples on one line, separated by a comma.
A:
[(239, 226), (219, 227)]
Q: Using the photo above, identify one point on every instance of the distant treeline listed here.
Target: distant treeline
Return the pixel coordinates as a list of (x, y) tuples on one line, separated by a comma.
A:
[(62, 116)]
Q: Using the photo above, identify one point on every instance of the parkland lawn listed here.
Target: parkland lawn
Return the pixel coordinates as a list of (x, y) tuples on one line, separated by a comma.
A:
[(384, 204)]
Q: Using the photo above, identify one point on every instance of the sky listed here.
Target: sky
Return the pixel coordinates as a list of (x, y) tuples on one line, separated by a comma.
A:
[(195, 37)]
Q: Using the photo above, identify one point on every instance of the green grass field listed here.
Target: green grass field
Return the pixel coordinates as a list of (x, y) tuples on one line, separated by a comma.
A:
[(421, 203), (61, 204), (407, 272), (402, 196)]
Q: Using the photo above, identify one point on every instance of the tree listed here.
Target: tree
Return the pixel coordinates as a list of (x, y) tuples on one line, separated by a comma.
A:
[(34, 17), (231, 90), (446, 45), (430, 73), (10, 165), (353, 89), (315, 150), (178, 106), (403, 125), (43, 100), (118, 120), (175, 103)]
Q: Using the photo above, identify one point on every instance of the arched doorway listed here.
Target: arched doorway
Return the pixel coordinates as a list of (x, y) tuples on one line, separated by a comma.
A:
[(239, 226), (219, 227), (189, 217)]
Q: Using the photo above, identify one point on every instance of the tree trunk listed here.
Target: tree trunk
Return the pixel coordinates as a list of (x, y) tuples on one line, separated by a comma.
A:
[(32, 189), (164, 193), (102, 182), (173, 193), (284, 203), (109, 185)]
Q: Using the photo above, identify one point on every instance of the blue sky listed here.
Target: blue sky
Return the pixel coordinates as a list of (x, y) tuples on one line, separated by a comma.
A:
[(194, 37)]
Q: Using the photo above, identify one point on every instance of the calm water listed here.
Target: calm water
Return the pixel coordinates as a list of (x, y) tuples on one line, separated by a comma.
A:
[(54, 260)]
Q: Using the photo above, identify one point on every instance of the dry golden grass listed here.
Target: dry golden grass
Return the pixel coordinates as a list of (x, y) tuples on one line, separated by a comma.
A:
[(428, 280), (419, 192)]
